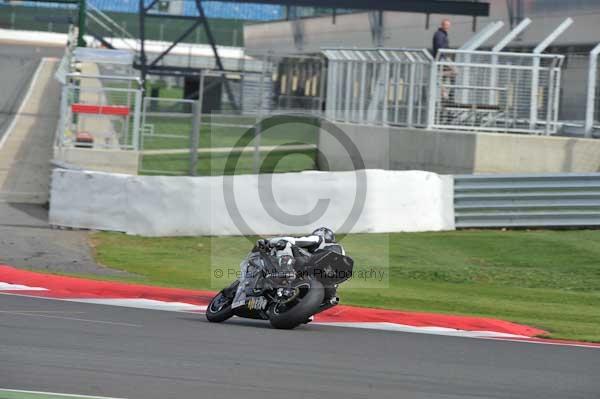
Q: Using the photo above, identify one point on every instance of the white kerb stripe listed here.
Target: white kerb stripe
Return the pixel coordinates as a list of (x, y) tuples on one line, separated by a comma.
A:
[(386, 326), (67, 395), (19, 287)]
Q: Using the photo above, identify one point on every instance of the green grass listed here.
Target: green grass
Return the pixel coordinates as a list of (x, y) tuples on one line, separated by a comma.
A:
[(215, 164), (213, 136), (171, 92), (547, 279)]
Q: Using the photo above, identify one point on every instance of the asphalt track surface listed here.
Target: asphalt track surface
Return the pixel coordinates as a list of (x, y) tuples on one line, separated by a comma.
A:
[(76, 348), (17, 66)]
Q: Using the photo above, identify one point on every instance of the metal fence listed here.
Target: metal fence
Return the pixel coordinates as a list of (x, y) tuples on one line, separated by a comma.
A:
[(551, 200), (498, 92), (378, 86), (96, 115), (178, 139), (166, 136)]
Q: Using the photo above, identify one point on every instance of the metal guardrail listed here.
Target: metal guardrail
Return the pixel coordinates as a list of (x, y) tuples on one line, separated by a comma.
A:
[(549, 200)]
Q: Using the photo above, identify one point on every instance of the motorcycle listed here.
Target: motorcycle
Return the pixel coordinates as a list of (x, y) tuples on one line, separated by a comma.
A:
[(287, 290)]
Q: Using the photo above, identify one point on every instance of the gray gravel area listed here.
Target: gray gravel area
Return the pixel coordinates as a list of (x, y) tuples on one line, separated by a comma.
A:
[(26, 240)]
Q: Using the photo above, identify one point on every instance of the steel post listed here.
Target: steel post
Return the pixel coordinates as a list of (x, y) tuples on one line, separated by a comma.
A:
[(195, 135), (536, 68), (136, 120), (591, 91), (81, 23), (433, 92)]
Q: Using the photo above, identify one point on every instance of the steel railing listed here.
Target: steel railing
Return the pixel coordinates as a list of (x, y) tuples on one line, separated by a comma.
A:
[(545, 200), (496, 92)]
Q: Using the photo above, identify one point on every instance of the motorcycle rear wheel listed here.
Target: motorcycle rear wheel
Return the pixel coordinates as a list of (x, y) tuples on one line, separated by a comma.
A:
[(305, 307)]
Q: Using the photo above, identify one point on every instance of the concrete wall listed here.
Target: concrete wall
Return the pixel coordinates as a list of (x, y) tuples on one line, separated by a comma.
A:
[(450, 152), (115, 161), (174, 206)]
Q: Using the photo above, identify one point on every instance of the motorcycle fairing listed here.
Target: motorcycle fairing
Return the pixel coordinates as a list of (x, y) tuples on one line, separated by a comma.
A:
[(251, 271)]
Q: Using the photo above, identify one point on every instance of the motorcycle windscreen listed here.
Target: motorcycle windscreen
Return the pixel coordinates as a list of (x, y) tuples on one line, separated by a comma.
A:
[(251, 271)]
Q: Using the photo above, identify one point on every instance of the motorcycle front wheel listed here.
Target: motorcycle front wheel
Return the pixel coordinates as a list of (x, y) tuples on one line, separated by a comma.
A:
[(219, 308), (291, 315)]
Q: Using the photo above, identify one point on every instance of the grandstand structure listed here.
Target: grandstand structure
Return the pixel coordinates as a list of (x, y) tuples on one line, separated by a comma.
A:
[(214, 9)]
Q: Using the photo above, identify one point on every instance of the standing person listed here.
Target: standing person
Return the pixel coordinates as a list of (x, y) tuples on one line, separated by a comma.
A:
[(440, 37), (441, 41)]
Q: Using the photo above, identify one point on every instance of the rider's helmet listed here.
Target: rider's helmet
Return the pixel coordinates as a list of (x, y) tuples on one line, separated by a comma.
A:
[(326, 233)]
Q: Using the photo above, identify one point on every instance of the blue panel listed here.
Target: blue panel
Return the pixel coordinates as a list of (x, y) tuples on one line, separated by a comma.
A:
[(213, 9)]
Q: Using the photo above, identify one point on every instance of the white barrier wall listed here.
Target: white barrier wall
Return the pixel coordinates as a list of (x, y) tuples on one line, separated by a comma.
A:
[(169, 206)]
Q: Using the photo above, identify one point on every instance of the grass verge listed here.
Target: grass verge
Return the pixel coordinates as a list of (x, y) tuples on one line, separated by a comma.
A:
[(545, 279), (216, 164), (226, 132)]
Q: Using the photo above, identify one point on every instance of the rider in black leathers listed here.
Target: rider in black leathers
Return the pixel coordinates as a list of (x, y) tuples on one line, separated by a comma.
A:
[(301, 248)]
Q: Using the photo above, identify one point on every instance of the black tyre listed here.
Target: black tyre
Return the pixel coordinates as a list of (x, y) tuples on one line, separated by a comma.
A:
[(286, 317), (219, 309), (330, 292)]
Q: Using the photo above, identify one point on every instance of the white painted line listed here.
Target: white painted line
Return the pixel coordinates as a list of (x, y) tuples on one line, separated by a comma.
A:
[(19, 287), (67, 395), (73, 319), (543, 342), (141, 303), (385, 326), (25, 100), (39, 311), (114, 302), (227, 150)]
